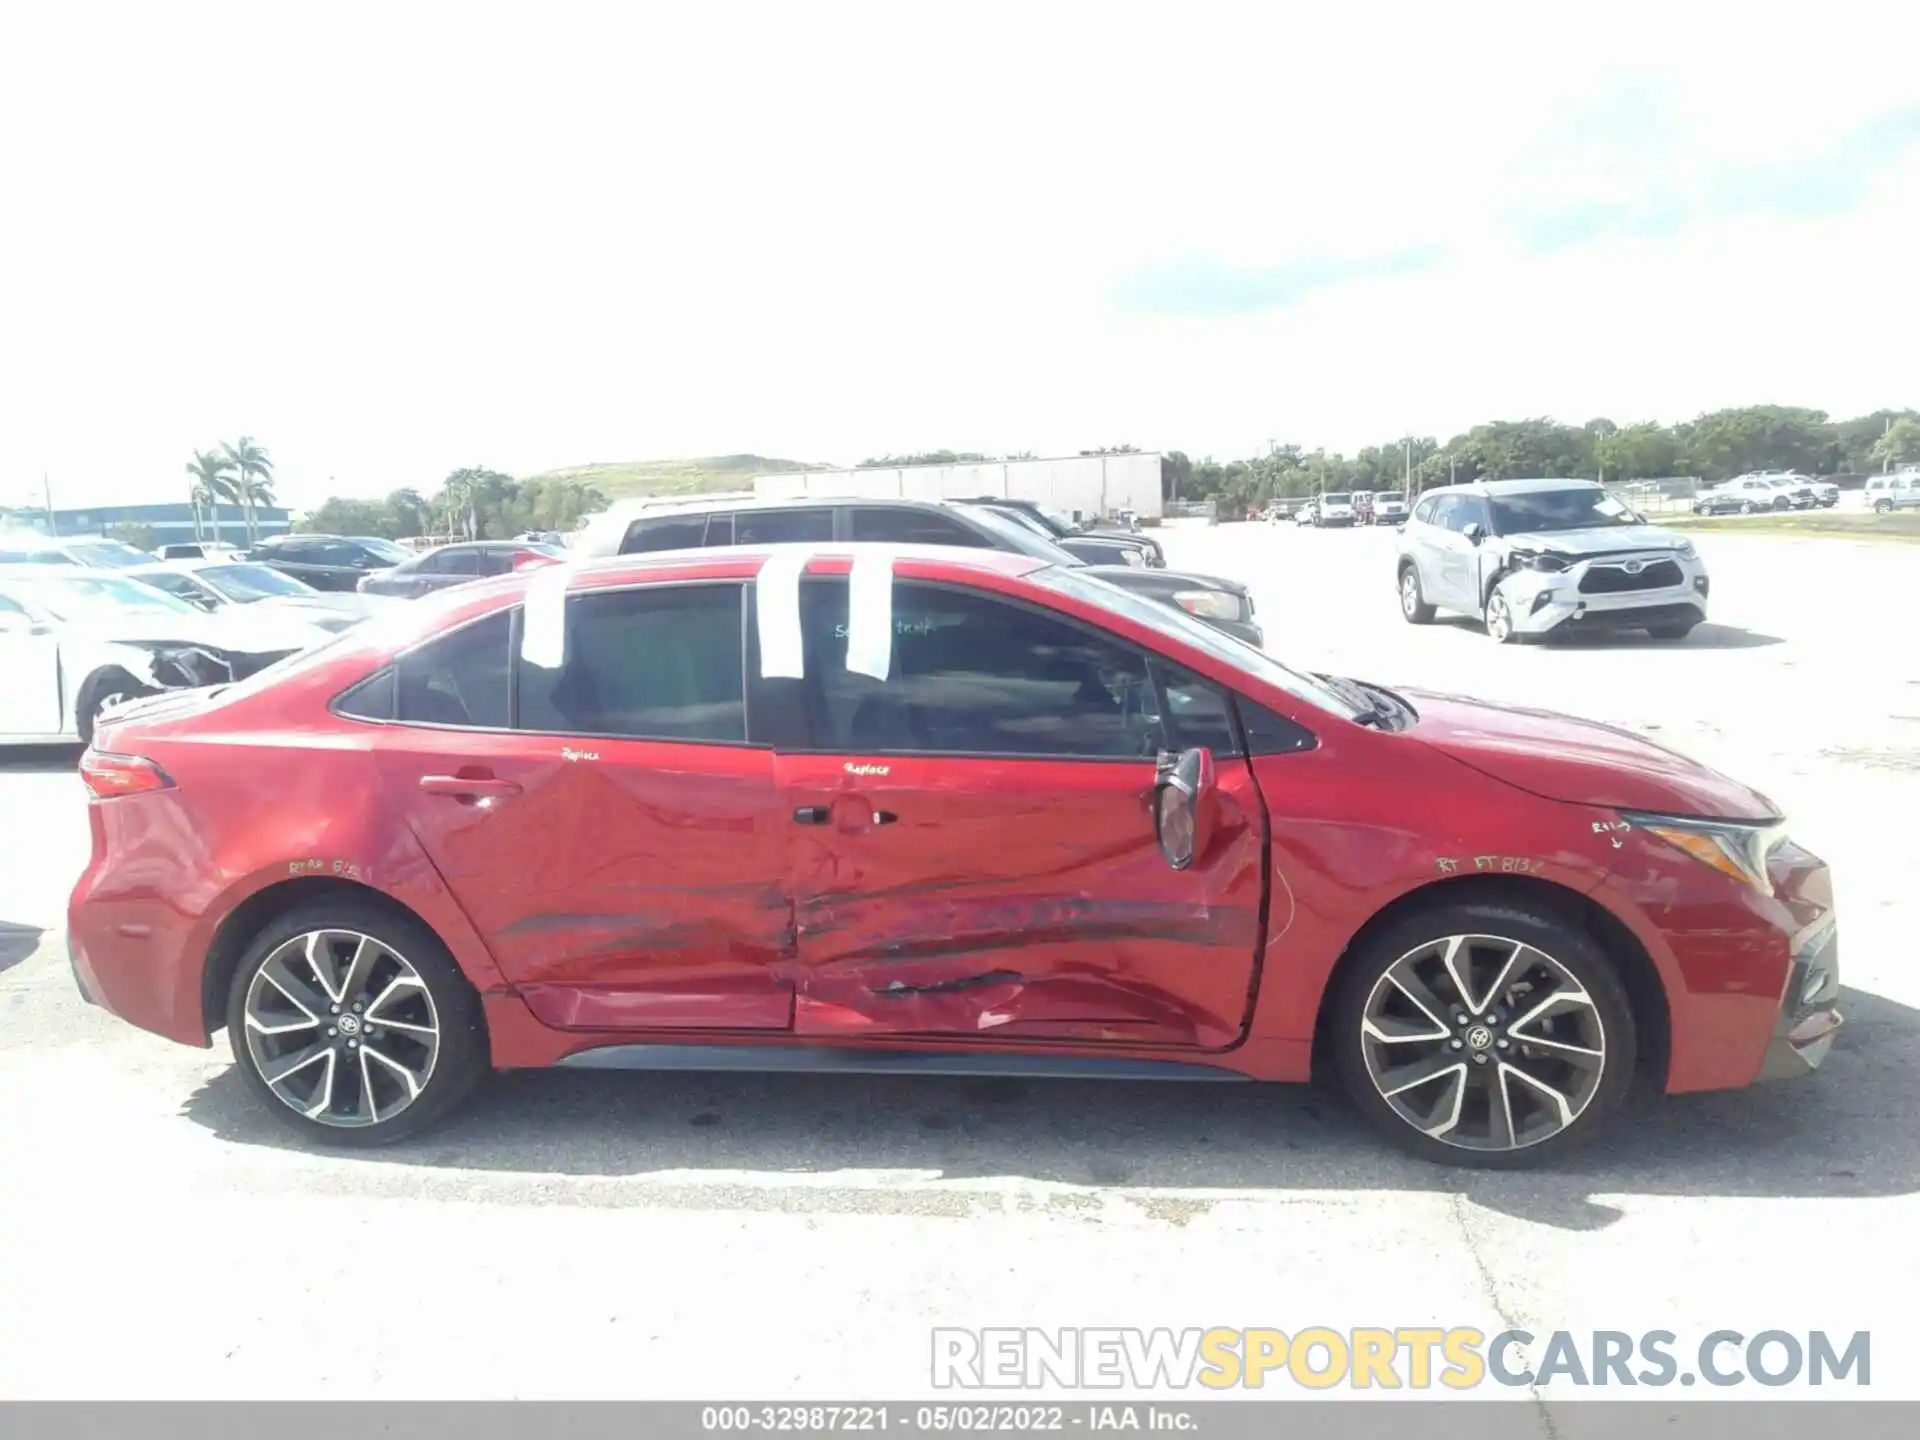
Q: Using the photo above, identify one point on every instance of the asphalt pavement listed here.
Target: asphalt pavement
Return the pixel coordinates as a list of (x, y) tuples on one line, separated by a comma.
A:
[(602, 1235)]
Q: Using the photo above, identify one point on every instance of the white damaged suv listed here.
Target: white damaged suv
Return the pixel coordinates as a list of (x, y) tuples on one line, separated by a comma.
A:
[(1547, 557)]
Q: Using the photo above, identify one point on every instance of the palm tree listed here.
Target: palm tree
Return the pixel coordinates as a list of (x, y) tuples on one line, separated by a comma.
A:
[(252, 477), (209, 486)]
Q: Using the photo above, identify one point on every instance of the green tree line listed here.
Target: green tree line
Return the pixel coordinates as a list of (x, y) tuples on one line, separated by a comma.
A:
[(471, 504), (1712, 447)]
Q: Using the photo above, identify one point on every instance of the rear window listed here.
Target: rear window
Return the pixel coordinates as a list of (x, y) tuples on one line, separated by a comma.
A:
[(459, 679), (666, 532)]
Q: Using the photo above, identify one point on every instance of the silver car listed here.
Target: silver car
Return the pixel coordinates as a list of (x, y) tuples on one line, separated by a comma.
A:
[(1547, 557)]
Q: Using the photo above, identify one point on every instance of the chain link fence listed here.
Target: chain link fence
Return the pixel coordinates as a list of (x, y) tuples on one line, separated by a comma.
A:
[(1667, 495)]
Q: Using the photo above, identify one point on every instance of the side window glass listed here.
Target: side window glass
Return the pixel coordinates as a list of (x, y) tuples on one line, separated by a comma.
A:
[(973, 675), (781, 527), (911, 527), (371, 699), (1443, 511), (679, 532), (1271, 734), (1199, 713), (459, 679), (459, 562), (1423, 512), (654, 664)]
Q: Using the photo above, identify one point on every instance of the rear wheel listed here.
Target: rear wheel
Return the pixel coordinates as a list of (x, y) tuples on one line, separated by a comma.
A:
[(1492, 1034), (1747, 507), (1413, 604), (1883, 507), (353, 1024)]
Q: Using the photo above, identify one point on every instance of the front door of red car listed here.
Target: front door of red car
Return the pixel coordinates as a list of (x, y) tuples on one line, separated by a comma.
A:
[(972, 844), (621, 850)]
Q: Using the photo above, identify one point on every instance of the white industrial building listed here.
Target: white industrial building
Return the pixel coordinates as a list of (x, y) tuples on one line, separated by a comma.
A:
[(1084, 486)]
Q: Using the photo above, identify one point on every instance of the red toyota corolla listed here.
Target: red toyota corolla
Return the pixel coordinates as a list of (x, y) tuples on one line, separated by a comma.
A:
[(936, 811)]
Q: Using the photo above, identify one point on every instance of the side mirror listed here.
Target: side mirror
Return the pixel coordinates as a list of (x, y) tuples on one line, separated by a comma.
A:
[(1182, 806), (1473, 532)]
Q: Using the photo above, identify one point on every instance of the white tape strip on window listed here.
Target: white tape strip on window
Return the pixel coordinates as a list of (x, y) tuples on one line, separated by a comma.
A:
[(543, 620), (777, 598), (870, 616)]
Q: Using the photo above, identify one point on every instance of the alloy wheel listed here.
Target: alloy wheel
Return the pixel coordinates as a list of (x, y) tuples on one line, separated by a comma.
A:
[(1499, 618), (1409, 592), (342, 1028), (1483, 1042)]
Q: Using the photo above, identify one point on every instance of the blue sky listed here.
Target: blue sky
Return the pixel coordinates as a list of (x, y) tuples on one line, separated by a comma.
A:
[(430, 236)]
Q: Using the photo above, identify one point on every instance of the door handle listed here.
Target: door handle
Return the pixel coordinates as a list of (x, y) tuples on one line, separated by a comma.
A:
[(812, 815), (468, 786)]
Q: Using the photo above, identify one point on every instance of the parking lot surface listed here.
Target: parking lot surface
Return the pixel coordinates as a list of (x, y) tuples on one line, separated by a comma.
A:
[(697, 1237)]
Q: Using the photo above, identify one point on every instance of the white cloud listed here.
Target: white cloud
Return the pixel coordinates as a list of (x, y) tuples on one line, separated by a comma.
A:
[(390, 240)]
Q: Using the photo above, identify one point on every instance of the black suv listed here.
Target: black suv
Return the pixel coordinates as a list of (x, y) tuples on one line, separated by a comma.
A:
[(1091, 544), (328, 562), (455, 565), (636, 526)]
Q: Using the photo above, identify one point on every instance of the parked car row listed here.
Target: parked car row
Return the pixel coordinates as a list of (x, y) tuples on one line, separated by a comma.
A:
[(1766, 490), (1340, 510)]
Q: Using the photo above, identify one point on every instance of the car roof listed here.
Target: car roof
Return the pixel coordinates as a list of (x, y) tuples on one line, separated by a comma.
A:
[(1521, 487), (698, 504), (30, 571)]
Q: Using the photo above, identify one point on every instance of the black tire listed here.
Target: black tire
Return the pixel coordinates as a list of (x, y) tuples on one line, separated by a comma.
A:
[(112, 683), (1883, 507), (1678, 631), (1519, 919), (1413, 600), (1747, 507), (463, 1059)]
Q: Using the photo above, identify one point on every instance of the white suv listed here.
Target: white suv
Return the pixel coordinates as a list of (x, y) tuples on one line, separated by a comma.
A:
[(1541, 557)]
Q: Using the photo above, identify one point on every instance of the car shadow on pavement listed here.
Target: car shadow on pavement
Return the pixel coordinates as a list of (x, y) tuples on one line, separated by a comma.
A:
[(1710, 635), (1846, 1132), (17, 942)]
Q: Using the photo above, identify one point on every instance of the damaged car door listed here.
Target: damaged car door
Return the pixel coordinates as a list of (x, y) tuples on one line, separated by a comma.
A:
[(973, 849), (605, 823)]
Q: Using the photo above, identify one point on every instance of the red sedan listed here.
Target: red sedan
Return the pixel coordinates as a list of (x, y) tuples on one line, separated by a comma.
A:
[(954, 812)]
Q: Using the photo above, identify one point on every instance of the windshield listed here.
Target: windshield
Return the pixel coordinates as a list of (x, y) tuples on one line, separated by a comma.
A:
[(1577, 507), (95, 597), (1336, 499), (1178, 625), (109, 554), (1019, 538), (243, 583), (384, 549)]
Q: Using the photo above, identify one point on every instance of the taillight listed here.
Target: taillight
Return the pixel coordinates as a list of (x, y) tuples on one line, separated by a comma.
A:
[(107, 777)]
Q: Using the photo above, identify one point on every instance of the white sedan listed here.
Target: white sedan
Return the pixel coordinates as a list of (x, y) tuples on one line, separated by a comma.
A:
[(217, 584), (74, 642)]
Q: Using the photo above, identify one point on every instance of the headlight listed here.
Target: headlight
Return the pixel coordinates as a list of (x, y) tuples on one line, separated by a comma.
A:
[(190, 665), (1736, 849), (1550, 563), (1685, 550), (1208, 604), (1133, 557)]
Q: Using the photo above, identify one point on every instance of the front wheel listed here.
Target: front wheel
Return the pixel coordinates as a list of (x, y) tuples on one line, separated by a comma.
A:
[(353, 1024), (1883, 507), (1490, 1033), (1500, 619), (101, 692), (1413, 604)]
